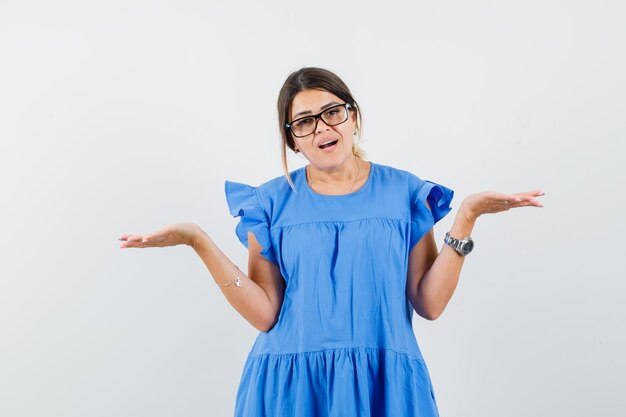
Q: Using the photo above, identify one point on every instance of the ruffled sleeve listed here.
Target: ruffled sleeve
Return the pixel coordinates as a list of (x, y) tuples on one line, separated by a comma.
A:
[(243, 201), (423, 219)]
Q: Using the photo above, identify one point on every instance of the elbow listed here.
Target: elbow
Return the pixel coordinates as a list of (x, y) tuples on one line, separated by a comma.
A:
[(268, 324), (432, 315), (428, 313), (265, 327), (262, 325)]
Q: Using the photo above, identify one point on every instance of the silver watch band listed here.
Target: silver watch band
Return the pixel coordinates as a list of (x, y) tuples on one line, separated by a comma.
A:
[(461, 246)]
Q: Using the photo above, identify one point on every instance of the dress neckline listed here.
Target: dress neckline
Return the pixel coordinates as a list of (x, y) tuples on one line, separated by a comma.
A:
[(361, 190)]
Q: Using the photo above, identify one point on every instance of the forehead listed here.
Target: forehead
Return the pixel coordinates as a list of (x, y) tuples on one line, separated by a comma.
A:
[(311, 101)]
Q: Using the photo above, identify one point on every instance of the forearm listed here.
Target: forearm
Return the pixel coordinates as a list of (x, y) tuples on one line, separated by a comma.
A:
[(438, 284), (249, 300)]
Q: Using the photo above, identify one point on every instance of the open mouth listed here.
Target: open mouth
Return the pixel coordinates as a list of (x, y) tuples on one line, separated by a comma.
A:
[(328, 144)]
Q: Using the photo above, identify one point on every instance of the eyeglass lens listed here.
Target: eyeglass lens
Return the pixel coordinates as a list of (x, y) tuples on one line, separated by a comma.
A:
[(332, 117)]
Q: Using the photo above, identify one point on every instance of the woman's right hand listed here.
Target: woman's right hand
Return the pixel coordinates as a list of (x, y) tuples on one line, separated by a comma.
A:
[(172, 235)]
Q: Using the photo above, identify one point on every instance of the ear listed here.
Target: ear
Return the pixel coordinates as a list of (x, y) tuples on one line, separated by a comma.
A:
[(353, 118)]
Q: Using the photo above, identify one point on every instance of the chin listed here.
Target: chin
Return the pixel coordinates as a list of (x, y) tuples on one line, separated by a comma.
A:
[(337, 159)]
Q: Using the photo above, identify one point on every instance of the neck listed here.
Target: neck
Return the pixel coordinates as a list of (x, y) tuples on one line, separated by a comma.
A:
[(342, 179)]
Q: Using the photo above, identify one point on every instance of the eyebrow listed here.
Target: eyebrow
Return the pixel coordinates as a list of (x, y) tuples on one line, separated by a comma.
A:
[(324, 107)]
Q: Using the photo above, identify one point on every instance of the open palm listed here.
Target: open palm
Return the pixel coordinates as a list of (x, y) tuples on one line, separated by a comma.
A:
[(172, 235), (494, 202)]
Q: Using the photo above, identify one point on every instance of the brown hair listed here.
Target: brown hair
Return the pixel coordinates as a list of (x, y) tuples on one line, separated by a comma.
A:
[(317, 79)]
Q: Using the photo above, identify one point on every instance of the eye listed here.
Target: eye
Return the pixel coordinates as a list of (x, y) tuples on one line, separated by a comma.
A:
[(332, 112), (303, 122)]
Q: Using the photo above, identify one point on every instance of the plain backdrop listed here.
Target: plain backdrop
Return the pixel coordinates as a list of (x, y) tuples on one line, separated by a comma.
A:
[(126, 116)]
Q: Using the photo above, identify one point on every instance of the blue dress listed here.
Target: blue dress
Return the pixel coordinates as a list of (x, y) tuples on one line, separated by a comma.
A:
[(343, 345)]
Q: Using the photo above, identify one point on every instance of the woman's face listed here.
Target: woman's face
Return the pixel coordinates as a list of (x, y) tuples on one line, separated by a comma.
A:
[(312, 102)]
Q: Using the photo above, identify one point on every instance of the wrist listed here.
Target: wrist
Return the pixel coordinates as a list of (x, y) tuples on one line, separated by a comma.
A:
[(467, 213), (196, 237), (463, 246)]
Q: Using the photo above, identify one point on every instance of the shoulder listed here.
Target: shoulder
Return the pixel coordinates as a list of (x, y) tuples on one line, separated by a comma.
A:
[(278, 188), (279, 184), (400, 176)]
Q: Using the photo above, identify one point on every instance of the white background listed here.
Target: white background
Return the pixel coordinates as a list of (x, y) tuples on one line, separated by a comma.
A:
[(125, 116)]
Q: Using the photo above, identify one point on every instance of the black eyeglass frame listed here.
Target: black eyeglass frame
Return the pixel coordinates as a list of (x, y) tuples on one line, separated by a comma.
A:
[(317, 118)]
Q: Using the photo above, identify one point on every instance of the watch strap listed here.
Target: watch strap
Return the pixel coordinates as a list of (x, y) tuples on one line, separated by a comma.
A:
[(459, 245)]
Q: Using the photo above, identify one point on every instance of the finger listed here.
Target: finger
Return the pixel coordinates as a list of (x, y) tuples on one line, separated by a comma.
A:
[(514, 200), (524, 197), (509, 200), (533, 193), (528, 201), (152, 237), (500, 198), (132, 245), (530, 198)]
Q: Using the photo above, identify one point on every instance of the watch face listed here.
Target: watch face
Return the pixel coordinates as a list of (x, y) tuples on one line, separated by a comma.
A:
[(467, 247)]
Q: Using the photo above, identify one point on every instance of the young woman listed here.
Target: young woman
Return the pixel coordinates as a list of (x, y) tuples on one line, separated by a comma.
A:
[(340, 254)]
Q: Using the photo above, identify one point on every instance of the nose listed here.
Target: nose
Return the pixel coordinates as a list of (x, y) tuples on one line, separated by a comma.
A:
[(319, 125)]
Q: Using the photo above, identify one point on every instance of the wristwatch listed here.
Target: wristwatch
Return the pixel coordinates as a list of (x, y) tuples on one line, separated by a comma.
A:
[(462, 246)]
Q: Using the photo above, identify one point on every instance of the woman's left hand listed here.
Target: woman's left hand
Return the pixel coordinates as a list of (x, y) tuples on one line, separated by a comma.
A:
[(477, 204)]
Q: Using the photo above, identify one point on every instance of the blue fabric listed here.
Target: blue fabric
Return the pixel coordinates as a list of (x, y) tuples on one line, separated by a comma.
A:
[(439, 198), (243, 201), (343, 344)]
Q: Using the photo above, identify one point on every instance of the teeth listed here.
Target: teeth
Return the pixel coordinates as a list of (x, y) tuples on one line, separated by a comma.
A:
[(330, 141)]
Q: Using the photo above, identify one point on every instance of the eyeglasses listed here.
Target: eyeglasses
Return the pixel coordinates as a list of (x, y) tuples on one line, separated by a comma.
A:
[(332, 116)]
